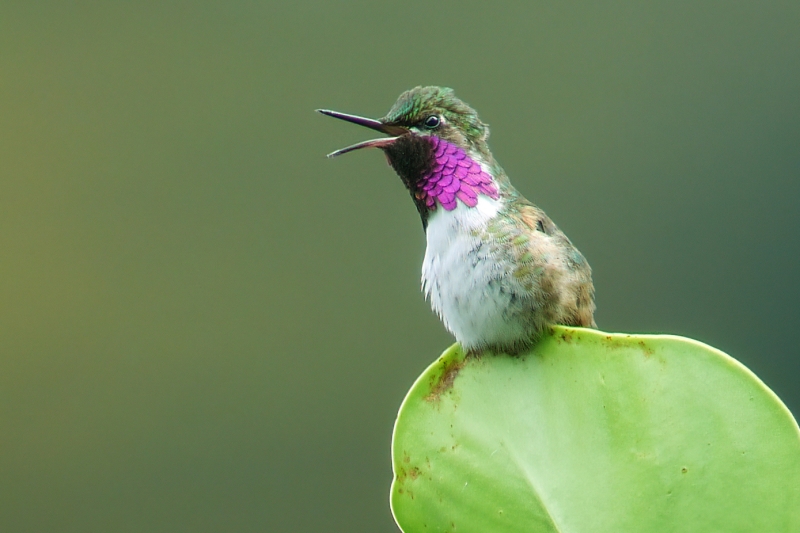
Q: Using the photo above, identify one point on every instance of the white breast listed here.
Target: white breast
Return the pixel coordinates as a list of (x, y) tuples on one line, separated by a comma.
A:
[(461, 278)]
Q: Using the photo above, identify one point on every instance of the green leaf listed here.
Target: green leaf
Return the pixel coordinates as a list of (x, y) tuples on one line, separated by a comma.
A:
[(595, 432)]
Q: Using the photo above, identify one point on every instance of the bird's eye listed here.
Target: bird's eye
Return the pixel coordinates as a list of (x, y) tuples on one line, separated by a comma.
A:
[(432, 122)]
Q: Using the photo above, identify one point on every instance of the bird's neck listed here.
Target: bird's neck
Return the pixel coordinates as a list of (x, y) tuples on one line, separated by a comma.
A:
[(441, 175), (454, 176)]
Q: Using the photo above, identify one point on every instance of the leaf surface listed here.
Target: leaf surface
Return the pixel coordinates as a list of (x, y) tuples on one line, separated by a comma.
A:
[(595, 432)]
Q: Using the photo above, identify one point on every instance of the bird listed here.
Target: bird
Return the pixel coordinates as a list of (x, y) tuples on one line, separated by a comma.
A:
[(497, 271)]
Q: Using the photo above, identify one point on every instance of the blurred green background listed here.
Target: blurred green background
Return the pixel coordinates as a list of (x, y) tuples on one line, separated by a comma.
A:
[(205, 325)]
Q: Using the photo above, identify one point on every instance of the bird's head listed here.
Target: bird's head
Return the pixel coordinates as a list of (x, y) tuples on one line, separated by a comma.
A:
[(436, 144)]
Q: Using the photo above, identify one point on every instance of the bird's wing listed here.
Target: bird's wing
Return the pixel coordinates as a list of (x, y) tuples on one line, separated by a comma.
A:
[(549, 264)]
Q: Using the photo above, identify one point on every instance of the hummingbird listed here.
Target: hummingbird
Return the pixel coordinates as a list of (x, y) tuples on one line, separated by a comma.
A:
[(497, 271)]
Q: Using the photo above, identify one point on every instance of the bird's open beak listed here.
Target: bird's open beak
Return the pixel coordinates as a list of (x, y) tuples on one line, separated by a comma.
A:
[(395, 131)]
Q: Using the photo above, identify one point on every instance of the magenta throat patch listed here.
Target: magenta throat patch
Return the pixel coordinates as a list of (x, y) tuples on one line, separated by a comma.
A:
[(454, 176)]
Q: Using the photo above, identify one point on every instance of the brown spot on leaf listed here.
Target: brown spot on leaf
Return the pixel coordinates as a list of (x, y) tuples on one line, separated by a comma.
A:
[(445, 381), (615, 343), (646, 349)]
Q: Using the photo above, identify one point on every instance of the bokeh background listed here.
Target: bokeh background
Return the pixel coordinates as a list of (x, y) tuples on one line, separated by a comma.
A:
[(205, 325)]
